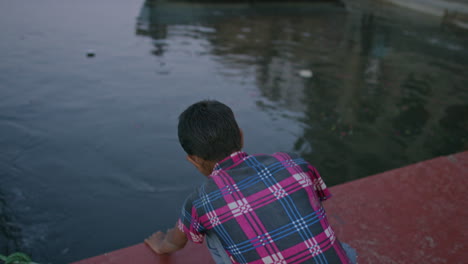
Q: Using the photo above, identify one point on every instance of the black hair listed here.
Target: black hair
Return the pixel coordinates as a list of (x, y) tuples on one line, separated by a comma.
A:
[(208, 129)]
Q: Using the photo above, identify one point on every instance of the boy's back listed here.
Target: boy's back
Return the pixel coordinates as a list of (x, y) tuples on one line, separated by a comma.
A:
[(264, 209)]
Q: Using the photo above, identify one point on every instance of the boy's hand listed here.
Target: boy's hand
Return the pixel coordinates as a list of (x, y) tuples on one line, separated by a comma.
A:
[(167, 243), (155, 242)]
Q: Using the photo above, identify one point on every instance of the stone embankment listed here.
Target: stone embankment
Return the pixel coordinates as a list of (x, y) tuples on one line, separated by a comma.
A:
[(454, 12)]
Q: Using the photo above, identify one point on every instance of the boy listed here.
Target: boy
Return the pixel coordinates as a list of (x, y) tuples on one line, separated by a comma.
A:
[(251, 208)]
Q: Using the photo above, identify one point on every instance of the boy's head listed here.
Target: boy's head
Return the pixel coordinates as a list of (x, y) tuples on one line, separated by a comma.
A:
[(208, 130)]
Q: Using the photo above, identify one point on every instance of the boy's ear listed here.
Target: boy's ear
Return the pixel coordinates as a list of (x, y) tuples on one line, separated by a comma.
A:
[(194, 160)]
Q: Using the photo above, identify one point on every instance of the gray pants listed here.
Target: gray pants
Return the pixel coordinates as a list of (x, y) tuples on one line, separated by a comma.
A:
[(216, 249), (221, 257), (350, 252)]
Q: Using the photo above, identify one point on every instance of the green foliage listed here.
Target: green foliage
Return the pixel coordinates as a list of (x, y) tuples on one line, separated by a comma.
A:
[(16, 258)]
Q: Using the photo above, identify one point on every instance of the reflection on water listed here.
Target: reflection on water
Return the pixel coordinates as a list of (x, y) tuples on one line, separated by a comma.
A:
[(385, 91), (83, 140)]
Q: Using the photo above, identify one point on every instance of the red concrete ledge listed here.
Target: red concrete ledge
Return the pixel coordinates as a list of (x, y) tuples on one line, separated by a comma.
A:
[(141, 254), (415, 214)]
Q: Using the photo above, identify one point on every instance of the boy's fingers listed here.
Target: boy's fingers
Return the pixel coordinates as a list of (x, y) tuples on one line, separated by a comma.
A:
[(157, 235)]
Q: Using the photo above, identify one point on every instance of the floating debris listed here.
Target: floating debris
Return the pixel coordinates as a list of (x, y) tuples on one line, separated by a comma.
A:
[(306, 73), (240, 36), (253, 94), (90, 53)]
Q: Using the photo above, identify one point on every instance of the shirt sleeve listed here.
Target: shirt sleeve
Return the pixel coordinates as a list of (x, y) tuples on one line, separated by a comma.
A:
[(319, 185), (189, 222)]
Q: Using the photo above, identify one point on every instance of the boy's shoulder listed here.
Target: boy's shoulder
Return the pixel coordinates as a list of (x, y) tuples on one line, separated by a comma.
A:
[(292, 155), (280, 156), (217, 182), (283, 154)]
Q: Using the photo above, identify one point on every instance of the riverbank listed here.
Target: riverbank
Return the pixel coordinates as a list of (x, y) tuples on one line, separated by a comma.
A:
[(414, 214), (452, 12)]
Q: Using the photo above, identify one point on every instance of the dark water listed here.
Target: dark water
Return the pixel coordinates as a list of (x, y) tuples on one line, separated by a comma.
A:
[(89, 158)]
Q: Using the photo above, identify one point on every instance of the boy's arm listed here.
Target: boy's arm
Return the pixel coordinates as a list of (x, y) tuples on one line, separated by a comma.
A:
[(161, 243), (319, 186)]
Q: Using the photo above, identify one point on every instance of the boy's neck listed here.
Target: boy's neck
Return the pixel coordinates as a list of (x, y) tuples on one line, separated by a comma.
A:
[(208, 167)]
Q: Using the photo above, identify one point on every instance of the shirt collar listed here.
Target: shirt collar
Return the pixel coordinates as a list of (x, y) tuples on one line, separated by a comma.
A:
[(230, 160)]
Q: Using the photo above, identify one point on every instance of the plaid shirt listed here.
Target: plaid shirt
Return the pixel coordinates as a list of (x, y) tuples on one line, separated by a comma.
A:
[(264, 209)]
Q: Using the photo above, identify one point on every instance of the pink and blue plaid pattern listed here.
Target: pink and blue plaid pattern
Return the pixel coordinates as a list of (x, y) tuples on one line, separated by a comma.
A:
[(264, 209)]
